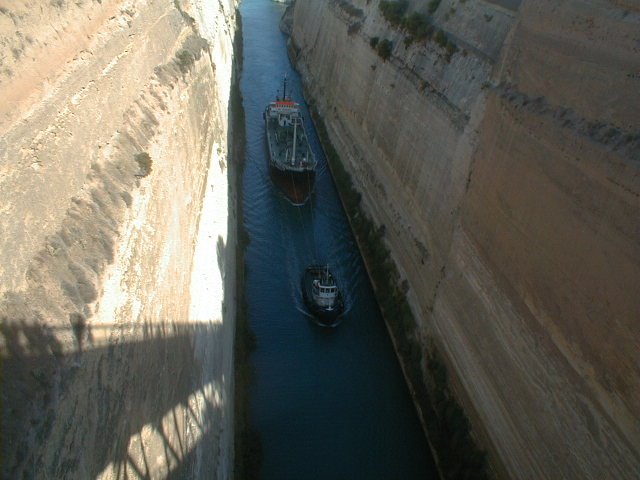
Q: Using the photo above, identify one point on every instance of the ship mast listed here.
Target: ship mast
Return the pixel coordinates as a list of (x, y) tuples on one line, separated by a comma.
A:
[(293, 155)]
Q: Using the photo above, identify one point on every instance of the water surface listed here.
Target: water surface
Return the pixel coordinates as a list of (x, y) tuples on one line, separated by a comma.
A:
[(327, 403)]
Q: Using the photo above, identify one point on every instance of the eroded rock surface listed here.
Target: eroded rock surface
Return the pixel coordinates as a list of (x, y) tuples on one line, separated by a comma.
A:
[(117, 260)]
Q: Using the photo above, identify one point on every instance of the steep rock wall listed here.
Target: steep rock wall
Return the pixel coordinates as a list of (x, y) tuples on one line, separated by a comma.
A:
[(507, 177), (117, 276)]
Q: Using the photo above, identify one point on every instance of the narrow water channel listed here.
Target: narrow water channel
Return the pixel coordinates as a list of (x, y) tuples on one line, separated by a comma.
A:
[(327, 403)]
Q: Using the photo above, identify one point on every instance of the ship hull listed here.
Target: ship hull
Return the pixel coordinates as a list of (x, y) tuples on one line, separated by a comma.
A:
[(295, 186), (327, 317)]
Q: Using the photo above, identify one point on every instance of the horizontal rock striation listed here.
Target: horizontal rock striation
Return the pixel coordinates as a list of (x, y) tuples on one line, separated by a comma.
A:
[(117, 257), (504, 168)]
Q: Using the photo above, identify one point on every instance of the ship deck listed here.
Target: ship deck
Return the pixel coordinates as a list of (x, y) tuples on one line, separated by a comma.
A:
[(281, 147), (329, 317)]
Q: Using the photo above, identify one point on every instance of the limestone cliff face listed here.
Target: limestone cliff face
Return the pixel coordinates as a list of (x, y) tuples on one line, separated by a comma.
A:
[(116, 257), (508, 178)]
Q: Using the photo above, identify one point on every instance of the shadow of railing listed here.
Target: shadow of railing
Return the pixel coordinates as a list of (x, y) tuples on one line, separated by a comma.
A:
[(130, 401)]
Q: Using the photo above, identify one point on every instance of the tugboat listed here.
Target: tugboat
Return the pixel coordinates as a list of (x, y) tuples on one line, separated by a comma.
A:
[(292, 164), (321, 295)]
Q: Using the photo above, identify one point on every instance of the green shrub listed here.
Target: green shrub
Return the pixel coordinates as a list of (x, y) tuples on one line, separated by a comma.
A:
[(393, 11), (441, 38), (144, 162), (433, 6), (418, 26), (374, 42), (354, 28), (384, 49), (350, 9), (185, 60)]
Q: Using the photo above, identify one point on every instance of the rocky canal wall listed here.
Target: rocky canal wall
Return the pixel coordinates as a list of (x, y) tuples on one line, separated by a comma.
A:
[(117, 249), (501, 158)]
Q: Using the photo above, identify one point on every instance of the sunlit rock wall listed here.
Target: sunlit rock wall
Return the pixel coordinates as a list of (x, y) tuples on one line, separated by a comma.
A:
[(508, 179), (117, 243)]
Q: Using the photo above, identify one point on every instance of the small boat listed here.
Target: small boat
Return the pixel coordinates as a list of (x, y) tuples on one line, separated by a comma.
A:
[(321, 295), (292, 163)]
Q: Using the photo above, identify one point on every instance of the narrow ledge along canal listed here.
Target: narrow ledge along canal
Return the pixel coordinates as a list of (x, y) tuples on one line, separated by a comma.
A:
[(326, 403)]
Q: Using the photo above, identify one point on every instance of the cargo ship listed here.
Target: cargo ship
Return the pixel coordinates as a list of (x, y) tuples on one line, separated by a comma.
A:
[(292, 163)]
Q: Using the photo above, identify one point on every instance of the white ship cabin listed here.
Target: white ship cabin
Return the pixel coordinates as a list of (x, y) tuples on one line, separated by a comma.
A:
[(287, 112), (324, 295)]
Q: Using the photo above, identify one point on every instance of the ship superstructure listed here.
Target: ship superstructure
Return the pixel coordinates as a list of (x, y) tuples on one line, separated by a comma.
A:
[(321, 295)]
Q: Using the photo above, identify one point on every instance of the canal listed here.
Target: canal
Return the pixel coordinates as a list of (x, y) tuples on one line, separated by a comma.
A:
[(326, 403)]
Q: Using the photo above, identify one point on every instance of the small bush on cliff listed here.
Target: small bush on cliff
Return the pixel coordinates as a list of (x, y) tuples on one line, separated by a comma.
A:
[(144, 162), (185, 61), (384, 49), (374, 42), (418, 26), (441, 38), (450, 47), (354, 28), (433, 5), (393, 11), (349, 9)]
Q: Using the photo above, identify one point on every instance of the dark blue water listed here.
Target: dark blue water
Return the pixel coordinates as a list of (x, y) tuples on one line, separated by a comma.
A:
[(327, 403)]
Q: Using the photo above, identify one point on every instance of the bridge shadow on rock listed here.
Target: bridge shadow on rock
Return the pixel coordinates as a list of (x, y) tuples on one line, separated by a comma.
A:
[(143, 402)]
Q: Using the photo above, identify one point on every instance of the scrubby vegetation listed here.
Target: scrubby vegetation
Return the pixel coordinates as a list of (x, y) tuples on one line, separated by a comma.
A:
[(144, 163), (417, 26), (185, 61), (385, 47), (354, 28), (394, 12), (446, 423), (445, 42), (350, 9), (433, 6), (450, 48)]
